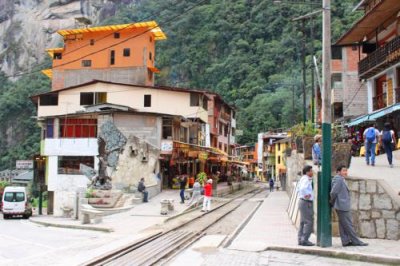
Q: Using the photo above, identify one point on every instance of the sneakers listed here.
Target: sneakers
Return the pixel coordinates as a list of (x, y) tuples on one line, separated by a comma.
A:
[(350, 244), (307, 244)]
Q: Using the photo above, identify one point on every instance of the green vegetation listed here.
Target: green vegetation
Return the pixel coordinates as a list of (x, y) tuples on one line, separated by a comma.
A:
[(246, 50), (202, 178)]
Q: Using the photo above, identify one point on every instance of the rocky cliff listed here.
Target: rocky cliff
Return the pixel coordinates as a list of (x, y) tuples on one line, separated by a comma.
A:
[(28, 27)]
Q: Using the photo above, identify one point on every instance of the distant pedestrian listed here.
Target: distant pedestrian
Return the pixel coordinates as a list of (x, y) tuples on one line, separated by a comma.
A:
[(207, 196), (196, 193), (142, 189), (271, 184), (306, 195), (182, 184), (316, 151), (371, 136), (340, 199), (388, 141)]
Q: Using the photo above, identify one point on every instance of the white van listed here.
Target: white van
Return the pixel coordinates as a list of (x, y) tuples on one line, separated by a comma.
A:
[(15, 202)]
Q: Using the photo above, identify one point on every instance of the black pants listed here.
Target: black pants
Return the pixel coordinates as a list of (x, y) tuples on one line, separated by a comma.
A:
[(145, 196)]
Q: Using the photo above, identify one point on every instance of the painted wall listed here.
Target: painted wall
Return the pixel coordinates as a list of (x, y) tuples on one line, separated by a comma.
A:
[(162, 101), (72, 147)]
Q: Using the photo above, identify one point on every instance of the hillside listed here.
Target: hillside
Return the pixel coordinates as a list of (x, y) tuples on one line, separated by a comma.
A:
[(243, 49)]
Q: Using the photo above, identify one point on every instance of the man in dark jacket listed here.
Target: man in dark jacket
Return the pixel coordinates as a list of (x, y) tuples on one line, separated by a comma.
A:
[(340, 199), (142, 189), (182, 184)]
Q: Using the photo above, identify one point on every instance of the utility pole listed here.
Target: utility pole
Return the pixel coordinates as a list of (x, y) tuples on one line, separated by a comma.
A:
[(324, 226), (303, 58)]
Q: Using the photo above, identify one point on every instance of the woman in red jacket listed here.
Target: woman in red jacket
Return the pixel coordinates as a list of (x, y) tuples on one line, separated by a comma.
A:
[(207, 196)]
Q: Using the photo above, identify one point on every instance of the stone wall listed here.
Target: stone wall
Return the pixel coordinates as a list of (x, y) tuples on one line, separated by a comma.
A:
[(375, 212)]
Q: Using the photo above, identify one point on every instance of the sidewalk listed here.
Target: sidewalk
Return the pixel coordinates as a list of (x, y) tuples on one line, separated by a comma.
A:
[(381, 170), (271, 229)]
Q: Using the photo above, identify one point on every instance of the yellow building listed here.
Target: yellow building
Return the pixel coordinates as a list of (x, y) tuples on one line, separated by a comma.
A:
[(280, 154)]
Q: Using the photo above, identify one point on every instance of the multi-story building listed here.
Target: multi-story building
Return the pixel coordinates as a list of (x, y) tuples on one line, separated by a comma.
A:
[(349, 95), (248, 154), (376, 32), (117, 53)]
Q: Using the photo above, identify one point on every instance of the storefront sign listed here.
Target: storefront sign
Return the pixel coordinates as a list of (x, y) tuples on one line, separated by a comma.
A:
[(166, 146), (24, 164), (203, 155)]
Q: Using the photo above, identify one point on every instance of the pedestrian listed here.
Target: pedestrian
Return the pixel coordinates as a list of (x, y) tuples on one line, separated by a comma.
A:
[(316, 150), (271, 184), (306, 195), (142, 189), (388, 141), (196, 193), (340, 200), (182, 184), (207, 196), (371, 136)]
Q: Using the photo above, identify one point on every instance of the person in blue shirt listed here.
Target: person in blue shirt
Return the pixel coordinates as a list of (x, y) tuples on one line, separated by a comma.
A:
[(306, 195), (316, 151)]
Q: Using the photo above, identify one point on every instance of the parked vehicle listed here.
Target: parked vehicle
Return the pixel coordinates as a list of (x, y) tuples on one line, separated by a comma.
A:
[(16, 203)]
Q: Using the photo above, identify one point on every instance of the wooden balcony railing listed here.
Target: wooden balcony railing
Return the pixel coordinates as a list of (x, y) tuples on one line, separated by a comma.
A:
[(381, 58), (379, 101)]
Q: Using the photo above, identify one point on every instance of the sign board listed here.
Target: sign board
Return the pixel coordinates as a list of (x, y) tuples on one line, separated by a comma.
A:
[(24, 164), (203, 156), (239, 132), (166, 146)]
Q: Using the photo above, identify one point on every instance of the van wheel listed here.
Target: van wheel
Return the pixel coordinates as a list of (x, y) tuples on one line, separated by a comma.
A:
[(5, 216), (25, 216)]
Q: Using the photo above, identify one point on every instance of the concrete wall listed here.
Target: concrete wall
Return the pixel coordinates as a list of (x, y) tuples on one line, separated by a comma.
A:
[(70, 147)]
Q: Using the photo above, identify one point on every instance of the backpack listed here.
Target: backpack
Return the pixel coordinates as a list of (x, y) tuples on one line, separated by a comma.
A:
[(371, 136), (386, 137)]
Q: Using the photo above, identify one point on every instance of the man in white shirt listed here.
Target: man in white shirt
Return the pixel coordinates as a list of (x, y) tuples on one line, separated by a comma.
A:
[(371, 136), (306, 195)]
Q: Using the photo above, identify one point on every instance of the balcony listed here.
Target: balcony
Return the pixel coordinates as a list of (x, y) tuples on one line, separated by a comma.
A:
[(380, 59), (379, 102)]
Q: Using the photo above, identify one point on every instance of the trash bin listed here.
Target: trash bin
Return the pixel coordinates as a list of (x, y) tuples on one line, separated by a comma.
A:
[(171, 206), (164, 206)]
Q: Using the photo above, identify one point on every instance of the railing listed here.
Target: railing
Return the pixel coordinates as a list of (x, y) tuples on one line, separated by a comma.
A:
[(397, 91), (379, 101), (384, 56)]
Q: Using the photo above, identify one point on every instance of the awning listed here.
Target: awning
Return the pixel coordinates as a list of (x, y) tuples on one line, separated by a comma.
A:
[(153, 69), (375, 115), (370, 21), (48, 72)]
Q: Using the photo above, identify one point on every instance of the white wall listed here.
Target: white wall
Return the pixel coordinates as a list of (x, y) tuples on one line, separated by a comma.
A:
[(71, 147)]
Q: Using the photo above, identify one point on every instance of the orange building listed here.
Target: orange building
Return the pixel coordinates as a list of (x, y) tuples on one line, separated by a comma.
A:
[(116, 53)]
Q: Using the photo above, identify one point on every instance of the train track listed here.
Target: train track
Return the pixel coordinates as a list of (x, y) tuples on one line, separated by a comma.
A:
[(162, 246)]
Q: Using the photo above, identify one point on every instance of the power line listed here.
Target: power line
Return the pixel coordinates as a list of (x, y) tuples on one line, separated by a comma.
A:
[(354, 96), (113, 45)]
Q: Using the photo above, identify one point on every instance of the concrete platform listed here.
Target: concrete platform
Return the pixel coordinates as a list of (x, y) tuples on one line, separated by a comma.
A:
[(271, 229)]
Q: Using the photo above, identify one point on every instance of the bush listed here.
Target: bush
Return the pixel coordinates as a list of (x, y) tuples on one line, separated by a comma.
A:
[(202, 178)]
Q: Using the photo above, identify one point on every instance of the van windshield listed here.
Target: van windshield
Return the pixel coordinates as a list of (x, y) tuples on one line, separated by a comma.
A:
[(14, 196)]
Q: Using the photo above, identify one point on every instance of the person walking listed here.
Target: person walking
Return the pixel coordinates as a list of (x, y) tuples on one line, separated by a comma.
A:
[(207, 196), (182, 184), (306, 195), (371, 136), (388, 141), (340, 199), (271, 184), (316, 151), (142, 189), (196, 193)]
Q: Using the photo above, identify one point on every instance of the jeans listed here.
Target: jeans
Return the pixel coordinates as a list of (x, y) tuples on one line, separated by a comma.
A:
[(388, 149), (370, 152), (182, 194), (145, 196)]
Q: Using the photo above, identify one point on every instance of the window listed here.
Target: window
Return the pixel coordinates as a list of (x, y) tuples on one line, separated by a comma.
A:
[(205, 102), (49, 131), (112, 57), (78, 128), (194, 99), (279, 159), (279, 146), (336, 81), (50, 99), (338, 110), (150, 56), (69, 165), (127, 52), (220, 129), (57, 56), (14, 196), (151, 39), (226, 129), (167, 128), (91, 41), (86, 63), (117, 35), (336, 52), (147, 100), (90, 98)]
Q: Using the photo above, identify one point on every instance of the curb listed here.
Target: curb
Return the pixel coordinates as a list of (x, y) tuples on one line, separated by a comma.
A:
[(347, 255), (68, 226)]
